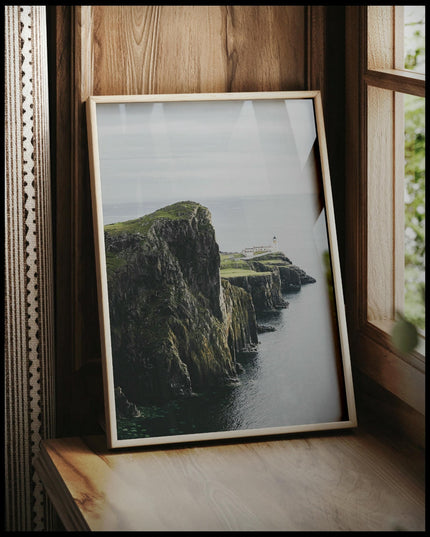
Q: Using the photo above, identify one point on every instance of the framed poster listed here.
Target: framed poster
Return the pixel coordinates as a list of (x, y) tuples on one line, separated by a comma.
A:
[(221, 305)]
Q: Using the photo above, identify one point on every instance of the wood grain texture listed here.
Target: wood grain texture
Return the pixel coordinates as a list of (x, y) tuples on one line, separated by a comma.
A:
[(380, 43), (195, 49), (316, 49), (351, 482), (380, 203), (402, 81)]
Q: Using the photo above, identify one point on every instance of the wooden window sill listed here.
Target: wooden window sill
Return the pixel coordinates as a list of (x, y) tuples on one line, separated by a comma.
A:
[(415, 358), (348, 481), (404, 376)]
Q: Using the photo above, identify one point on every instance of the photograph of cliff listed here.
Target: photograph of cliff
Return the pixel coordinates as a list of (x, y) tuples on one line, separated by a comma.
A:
[(220, 294)]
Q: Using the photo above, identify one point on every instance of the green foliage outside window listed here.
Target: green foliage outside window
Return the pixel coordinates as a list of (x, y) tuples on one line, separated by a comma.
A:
[(414, 310), (415, 41), (404, 334), (415, 210)]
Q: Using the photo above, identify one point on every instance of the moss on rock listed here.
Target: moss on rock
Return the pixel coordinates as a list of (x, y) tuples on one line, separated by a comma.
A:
[(172, 328)]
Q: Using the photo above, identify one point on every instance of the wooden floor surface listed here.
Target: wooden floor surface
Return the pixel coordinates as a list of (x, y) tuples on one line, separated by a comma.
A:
[(348, 481)]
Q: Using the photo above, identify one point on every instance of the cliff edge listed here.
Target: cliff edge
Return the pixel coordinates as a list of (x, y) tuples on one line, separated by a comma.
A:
[(175, 328)]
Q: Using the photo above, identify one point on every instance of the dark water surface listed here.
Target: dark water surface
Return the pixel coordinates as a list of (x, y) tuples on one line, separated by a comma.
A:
[(289, 381)]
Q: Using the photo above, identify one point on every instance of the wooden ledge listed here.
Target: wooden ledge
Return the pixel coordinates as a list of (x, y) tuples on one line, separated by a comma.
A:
[(348, 481)]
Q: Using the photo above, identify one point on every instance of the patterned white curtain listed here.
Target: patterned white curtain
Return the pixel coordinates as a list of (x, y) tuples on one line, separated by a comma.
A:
[(29, 329)]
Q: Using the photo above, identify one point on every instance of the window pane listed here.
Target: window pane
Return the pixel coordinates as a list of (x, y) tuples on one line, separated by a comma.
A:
[(415, 210), (414, 38)]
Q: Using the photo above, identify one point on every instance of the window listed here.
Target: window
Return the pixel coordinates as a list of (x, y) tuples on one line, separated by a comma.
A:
[(396, 156), (414, 109), (385, 185), (414, 38)]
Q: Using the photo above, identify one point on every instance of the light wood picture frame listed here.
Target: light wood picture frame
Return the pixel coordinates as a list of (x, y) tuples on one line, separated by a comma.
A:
[(220, 295)]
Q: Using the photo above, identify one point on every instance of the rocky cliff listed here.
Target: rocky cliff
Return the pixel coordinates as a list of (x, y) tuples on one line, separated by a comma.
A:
[(175, 329), (265, 277), (264, 288), (240, 318)]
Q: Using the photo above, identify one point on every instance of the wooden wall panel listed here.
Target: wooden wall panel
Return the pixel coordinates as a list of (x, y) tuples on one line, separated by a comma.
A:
[(107, 50), (189, 49)]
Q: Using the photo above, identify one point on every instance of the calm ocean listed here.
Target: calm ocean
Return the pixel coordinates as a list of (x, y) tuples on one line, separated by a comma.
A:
[(293, 378)]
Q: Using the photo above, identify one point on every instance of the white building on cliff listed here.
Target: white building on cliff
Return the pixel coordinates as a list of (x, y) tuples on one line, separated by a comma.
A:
[(257, 250)]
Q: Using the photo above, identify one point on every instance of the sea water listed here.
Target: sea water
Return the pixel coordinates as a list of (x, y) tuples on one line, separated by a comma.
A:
[(293, 378)]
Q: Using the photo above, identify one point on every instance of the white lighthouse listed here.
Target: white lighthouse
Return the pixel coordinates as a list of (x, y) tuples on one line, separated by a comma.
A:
[(275, 244)]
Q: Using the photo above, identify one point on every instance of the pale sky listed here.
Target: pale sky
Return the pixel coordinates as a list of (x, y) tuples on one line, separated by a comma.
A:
[(184, 150)]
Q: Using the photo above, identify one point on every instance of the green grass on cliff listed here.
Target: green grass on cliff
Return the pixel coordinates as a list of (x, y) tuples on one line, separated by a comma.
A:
[(272, 257), (232, 268), (274, 262), (233, 265), (176, 211), (236, 272), (113, 263), (231, 255), (228, 263)]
